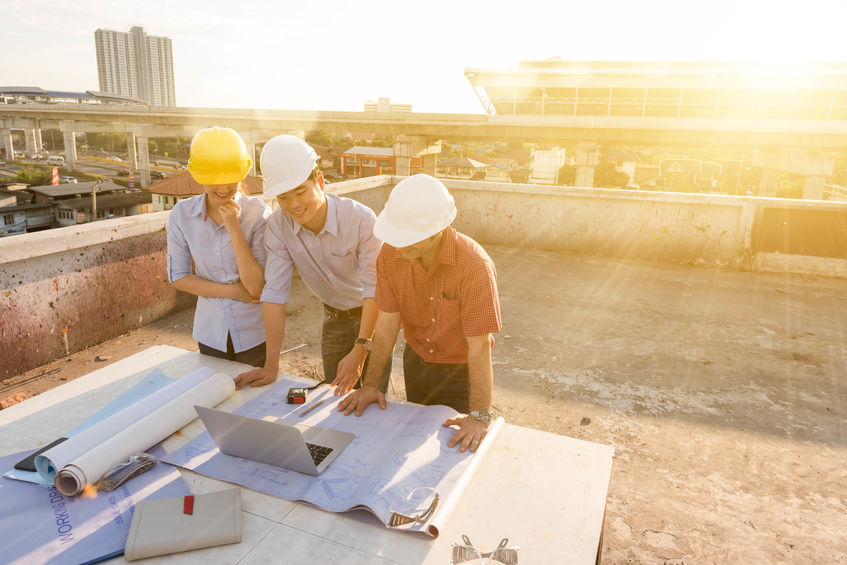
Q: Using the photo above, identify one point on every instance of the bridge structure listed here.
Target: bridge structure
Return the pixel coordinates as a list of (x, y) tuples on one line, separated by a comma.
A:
[(791, 120)]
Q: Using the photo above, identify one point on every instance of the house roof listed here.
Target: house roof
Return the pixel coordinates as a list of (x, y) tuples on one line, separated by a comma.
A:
[(368, 150), (463, 162), (184, 184), (73, 188), (107, 201), (623, 155)]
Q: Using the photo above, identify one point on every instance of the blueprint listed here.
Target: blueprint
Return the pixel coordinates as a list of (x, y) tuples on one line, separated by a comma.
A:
[(397, 462), (40, 525)]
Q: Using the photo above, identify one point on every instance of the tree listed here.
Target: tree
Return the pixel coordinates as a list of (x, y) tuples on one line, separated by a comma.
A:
[(607, 176), (33, 176), (566, 175), (319, 137)]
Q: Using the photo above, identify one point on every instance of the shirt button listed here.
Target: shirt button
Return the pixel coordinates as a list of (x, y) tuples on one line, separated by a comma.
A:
[(430, 350), (427, 340), (433, 319), (431, 298)]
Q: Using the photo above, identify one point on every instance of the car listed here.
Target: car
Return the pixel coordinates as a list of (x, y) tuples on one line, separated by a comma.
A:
[(19, 155), (38, 156), (157, 175), (55, 160), (123, 173), (68, 179)]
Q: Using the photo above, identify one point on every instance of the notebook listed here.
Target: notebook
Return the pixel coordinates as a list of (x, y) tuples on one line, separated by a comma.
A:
[(172, 525), (305, 449)]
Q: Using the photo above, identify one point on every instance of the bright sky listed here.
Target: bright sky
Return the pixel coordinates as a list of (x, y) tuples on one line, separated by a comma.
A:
[(335, 54)]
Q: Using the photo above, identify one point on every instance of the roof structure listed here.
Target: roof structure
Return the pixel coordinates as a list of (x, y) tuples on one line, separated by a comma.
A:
[(369, 150), (72, 189), (107, 200), (463, 162), (184, 184)]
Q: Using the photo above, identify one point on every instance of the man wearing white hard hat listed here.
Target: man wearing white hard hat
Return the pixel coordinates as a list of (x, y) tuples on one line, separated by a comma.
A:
[(329, 239), (441, 287)]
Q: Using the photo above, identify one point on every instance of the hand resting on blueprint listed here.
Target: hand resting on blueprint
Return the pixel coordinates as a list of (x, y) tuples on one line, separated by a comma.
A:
[(468, 437)]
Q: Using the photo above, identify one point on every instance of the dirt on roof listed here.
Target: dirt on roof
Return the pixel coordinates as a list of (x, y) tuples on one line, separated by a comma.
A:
[(724, 394)]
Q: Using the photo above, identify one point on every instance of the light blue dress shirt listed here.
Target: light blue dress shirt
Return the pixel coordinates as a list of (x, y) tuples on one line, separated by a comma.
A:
[(338, 264), (194, 237)]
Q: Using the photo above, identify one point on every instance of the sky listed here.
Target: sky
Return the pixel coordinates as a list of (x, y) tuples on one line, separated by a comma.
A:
[(336, 54)]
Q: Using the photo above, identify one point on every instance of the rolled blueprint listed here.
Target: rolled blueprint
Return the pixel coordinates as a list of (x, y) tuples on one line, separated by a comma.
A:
[(85, 457)]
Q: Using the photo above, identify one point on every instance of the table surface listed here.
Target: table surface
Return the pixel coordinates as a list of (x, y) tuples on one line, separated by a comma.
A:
[(545, 492)]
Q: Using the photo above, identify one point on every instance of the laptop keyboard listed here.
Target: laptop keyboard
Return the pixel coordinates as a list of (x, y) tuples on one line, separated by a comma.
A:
[(318, 452)]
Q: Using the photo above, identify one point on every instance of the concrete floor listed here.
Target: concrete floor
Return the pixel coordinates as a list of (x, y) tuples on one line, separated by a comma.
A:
[(724, 394)]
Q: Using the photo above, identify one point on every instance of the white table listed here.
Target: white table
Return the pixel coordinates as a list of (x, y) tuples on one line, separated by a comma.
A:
[(545, 492)]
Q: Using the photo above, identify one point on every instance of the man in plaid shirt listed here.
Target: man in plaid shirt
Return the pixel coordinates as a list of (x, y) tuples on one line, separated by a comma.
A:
[(441, 287)]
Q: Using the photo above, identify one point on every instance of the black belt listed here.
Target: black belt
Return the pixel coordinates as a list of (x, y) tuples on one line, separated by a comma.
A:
[(352, 313)]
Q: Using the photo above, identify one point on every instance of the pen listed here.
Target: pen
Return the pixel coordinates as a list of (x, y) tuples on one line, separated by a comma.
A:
[(310, 408)]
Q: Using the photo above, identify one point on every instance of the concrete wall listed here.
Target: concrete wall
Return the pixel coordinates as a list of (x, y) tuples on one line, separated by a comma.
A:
[(66, 289)]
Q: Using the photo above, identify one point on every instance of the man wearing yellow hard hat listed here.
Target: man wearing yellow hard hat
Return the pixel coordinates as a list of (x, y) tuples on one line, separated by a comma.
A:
[(441, 286), (329, 239), (216, 249)]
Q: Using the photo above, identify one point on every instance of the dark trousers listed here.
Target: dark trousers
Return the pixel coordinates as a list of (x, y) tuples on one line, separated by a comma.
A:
[(339, 334), (254, 356), (435, 383)]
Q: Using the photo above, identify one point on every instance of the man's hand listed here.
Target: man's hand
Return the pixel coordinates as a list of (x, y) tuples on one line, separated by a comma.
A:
[(359, 399), (256, 377), (349, 370), (470, 433), (230, 213)]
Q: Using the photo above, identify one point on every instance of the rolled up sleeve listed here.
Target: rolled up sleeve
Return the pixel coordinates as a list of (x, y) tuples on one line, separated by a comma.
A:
[(279, 267), (368, 251), (179, 255)]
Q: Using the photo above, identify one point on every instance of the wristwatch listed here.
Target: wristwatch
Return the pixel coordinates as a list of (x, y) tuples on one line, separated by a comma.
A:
[(365, 343), (482, 416)]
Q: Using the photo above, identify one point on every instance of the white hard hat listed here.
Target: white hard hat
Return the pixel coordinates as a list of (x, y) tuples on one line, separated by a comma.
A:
[(417, 208), (286, 162)]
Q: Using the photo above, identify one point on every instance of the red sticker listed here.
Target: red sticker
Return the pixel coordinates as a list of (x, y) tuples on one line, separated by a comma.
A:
[(188, 504)]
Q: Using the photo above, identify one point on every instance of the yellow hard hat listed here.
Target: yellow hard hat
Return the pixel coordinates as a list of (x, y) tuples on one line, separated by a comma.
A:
[(218, 156)]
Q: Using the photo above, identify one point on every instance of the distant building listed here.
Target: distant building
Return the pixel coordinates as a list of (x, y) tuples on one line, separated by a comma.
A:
[(665, 89), (166, 193), (37, 95), (367, 161), (135, 64), (384, 105)]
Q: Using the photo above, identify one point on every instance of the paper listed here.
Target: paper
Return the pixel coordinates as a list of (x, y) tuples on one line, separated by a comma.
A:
[(149, 384), (40, 525), (83, 458), (396, 451)]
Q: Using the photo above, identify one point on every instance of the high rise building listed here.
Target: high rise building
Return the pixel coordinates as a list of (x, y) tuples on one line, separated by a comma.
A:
[(136, 64)]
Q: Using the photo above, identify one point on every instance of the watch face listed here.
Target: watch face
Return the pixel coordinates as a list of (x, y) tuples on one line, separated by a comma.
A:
[(483, 417)]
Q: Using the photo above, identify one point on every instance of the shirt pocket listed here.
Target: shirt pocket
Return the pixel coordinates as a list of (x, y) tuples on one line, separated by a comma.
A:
[(346, 266), (448, 315)]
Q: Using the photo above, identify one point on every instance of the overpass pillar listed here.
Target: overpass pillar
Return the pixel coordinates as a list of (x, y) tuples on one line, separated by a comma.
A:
[(144, 158), (402, 166), (6, 143), (587, 157), (39, 143), (70, 150), (407, 147), (131, 154), (29, 136)]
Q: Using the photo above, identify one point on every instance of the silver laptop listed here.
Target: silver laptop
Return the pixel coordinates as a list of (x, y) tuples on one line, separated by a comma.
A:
[(305, 449)]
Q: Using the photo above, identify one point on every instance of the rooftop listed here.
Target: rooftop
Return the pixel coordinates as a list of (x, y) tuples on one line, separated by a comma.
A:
[(184, 184), (724, 392)]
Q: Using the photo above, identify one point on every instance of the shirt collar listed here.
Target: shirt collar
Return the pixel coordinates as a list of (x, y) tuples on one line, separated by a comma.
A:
[(447, 249)]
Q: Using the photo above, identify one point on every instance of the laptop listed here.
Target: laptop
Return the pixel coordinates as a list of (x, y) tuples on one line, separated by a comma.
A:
[(305, 449)]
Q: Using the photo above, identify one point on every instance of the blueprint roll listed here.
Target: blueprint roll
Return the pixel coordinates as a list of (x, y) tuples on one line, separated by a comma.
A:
[(85, 457)]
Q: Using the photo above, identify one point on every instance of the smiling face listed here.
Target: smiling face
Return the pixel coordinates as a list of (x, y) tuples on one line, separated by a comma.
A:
[(306, 204), (218, 194)]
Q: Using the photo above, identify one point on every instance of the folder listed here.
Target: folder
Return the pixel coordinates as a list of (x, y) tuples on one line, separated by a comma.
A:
[(173, 525)]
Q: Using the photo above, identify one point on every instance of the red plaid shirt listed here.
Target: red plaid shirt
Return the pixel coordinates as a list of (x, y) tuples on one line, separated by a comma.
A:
[(456, 297)]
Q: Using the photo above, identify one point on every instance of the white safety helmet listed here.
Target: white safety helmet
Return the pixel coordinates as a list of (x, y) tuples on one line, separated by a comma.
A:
[(417, 208), (286, 162)]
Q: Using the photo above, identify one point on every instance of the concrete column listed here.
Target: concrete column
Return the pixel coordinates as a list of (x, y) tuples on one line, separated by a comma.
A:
[(70, 150), (403, 166), (251, 151), (769, 183), (131, 154), (6, 141), (586, 158), (813, 188), (29, 136), (429, 164), (39, 143), (144, 158)]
